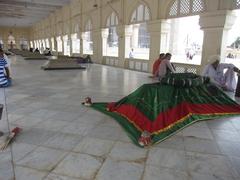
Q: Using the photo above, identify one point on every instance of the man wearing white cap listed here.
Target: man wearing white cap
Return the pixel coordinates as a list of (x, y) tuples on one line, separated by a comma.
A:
[(223, 79)]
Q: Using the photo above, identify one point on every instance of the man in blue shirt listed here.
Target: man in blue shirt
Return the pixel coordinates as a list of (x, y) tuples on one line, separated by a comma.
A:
[(5, 79)]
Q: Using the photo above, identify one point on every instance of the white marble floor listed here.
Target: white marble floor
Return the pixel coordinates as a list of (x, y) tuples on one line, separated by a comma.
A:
[(62, 140)]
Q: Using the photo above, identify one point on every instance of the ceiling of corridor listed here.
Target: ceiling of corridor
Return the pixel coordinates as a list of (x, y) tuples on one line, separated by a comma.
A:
[(23, 13)]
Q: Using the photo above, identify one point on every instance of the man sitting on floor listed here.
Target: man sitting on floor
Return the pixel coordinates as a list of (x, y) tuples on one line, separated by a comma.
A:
[(215, 70), (5, 80), (37, 50), (165, 66), (87, 59), (47, 52), (157, 64)]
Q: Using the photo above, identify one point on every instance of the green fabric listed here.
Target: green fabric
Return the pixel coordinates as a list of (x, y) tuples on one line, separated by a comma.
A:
[(152, 99), (132, 132), (156, 98)]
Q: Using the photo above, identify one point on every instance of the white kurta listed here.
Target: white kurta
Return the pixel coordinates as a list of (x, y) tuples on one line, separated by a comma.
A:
[(221, 78)]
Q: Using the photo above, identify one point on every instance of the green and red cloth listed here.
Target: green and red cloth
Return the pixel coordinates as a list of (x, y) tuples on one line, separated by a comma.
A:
[(163, 109)]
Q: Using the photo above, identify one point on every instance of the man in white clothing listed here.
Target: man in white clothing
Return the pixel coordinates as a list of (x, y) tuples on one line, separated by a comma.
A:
[(42, 49), (165, 66), (223, 79), (131, 54)]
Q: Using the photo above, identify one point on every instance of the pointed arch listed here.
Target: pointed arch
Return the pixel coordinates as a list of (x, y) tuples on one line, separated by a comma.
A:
[(87, 37), (141, 13), (76, 28), (75, 24), (111, 42), (66, 28), (112, 20), (236, 4), (180, 8), (88, 25), (138, 47), (75, 39), (59, 29)]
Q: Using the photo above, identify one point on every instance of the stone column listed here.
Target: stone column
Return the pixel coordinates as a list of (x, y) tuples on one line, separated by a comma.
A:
[(165, 36), (55, 44), (215, 26), (128, 36), (135, 35), (154, 28), (104, 41), (121, 45), (62, 53), (83, 40), (97, 46), (173, 30), (70, 41), (50, 43), (64, 39), (80, 36)]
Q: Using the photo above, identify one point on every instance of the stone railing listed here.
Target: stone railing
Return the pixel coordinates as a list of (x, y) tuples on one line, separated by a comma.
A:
[(111, 61), (142, 65), (137, 64), (190, 68)]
